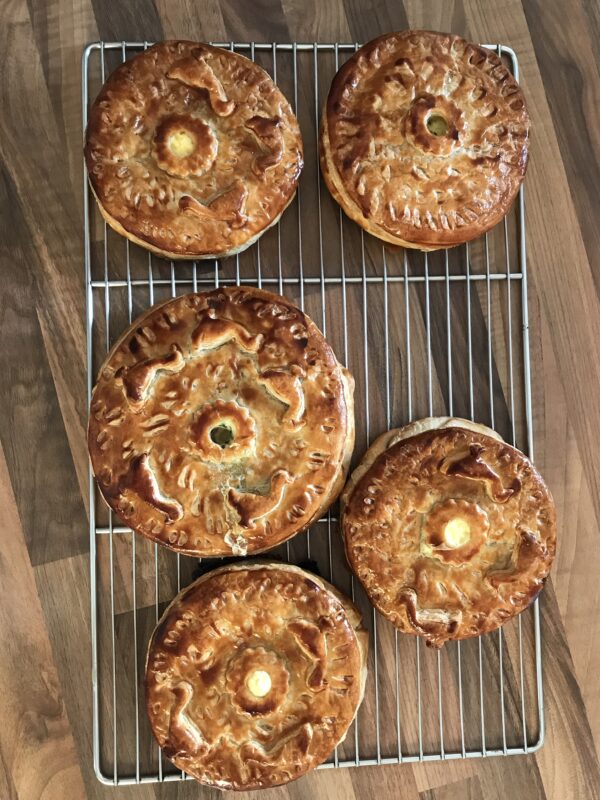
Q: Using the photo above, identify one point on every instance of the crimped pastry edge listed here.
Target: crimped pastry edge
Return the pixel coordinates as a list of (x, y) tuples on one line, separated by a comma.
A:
[(340, 195), (118, 228)]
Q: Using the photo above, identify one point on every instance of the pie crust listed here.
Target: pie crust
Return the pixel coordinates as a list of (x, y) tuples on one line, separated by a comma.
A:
[(424, 139), (254, 674), (221, 423), (450, 530), (192, 151)]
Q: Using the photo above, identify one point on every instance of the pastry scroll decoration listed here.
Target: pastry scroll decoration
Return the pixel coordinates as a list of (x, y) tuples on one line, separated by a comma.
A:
[(185, 736), (230, 206), (267, 752), (213, 332), (141, 480), (251, 507), (195, 71), (268, 132), (471, 466), (138, 378), (312, 642), (529, 548), (286, 386), (435, 623)]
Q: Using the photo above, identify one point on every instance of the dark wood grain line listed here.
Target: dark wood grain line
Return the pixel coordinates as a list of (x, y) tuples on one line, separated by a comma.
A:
[(8, 790), (317, 21), (459, 19), (245, 22), (36, 734), (393, 782), (592, 16), (469, 789), (40, 25), (381, 16), (67, 619), (188, 19), (32, 431), (128, 21), (36, 157), (567, 58), (565, 708)]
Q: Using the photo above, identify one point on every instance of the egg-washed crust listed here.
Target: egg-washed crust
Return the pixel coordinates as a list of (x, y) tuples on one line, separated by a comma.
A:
[(236, 619), (243, 170), (393, 525), (239, 357), (393, 176), (389, 438)]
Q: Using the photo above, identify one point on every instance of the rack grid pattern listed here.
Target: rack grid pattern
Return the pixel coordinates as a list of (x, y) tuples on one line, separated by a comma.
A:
[(424, 334)]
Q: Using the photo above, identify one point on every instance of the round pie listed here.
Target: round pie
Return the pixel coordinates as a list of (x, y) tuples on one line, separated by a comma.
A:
[(221, 423), (254, 674), (424, 139), (192, 151), (450, 530)]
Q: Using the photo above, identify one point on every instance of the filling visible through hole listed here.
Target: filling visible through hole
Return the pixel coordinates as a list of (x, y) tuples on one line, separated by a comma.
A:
[(181, 143), (222, 435), (437, 125), (457, 532), (259, 683)]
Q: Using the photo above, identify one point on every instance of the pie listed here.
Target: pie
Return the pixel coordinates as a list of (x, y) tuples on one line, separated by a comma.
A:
[(254, 674), (450, 530), (221, 423), (192, 151), (424, 139)]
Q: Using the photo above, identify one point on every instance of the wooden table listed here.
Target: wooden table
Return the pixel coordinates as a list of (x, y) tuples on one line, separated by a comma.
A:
[(45, 710)]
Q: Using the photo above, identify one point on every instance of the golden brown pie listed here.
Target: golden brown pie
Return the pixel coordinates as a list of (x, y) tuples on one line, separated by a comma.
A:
[(254, 674), (424, 139), (192, 151), (221, 423), (450, 530)]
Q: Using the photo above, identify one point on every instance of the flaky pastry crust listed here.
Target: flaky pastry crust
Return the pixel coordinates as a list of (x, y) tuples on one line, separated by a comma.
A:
[(451, 531), (395, 177), (254, 674), (192, 150), (221, 423)]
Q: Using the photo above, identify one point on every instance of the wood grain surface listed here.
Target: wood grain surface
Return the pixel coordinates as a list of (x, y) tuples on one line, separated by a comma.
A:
[(45, 675)]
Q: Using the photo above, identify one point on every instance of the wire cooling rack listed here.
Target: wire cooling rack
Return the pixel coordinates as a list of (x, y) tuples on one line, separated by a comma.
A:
[(439, 333)]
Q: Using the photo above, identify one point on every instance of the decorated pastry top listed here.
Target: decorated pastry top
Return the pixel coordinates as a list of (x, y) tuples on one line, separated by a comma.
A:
[(221, 423), (254, 674), (451, 530), (425, 138), (192, 150)]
